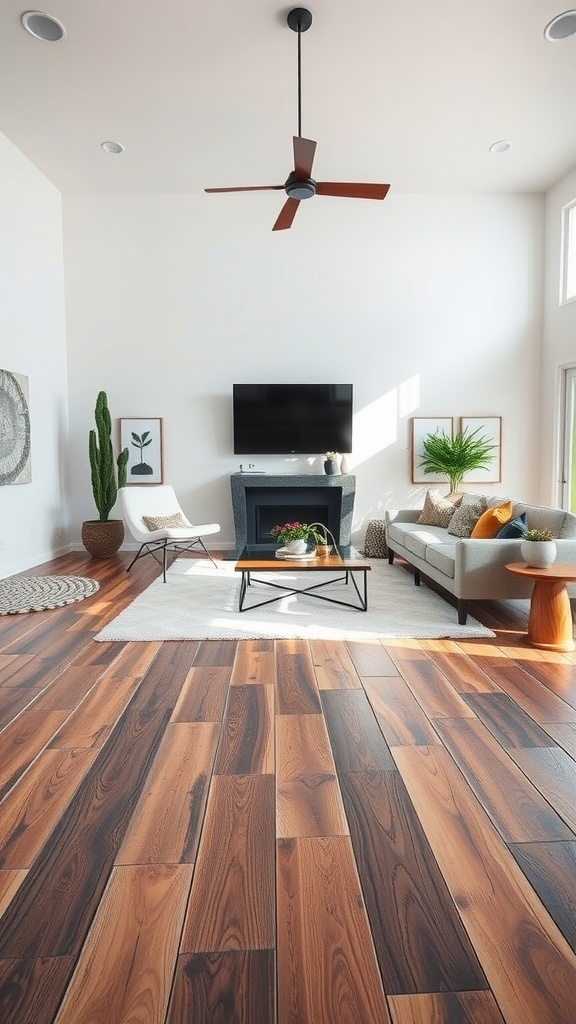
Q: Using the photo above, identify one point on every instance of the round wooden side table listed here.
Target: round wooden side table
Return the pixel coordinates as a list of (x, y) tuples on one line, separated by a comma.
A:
[(550, 619)]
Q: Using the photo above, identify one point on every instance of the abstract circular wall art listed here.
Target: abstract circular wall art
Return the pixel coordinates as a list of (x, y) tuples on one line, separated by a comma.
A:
[(15, 463)]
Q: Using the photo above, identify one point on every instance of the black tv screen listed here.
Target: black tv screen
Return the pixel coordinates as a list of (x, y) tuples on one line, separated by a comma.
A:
[(292, 419)]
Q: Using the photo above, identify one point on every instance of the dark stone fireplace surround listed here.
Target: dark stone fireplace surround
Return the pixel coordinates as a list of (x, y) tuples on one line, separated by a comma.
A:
[(259, 500)]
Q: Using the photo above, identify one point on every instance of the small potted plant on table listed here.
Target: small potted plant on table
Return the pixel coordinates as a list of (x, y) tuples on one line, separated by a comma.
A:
[(538, 548), (296, 538)]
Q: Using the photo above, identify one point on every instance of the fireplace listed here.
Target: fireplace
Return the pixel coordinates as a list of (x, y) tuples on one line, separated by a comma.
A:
[(260, 501)]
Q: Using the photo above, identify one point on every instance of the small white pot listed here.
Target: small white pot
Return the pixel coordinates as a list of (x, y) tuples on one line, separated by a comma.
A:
[(296, 547), (538, 553)]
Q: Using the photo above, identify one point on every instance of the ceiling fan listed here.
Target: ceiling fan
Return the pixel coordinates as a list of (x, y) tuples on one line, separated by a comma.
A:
[(300, 185)]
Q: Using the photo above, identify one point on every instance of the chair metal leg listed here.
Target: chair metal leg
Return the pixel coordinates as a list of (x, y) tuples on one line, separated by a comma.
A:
[(204, 548)]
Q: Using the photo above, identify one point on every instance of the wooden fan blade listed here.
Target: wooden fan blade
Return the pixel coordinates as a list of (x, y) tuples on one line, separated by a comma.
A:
[(247, 188), (286, 215), (351, 190), (304, 150)]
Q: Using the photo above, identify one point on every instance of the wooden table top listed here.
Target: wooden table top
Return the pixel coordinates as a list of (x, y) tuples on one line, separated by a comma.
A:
[(556, 571), (269, 563)]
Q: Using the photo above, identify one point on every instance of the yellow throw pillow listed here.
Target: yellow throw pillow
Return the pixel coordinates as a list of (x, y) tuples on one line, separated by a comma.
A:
[(492, 520)]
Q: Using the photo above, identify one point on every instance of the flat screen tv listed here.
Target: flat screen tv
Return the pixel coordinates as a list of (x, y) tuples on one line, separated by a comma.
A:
[(292, 419)]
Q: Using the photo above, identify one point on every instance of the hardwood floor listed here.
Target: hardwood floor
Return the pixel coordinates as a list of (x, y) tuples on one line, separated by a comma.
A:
[(283, 832)]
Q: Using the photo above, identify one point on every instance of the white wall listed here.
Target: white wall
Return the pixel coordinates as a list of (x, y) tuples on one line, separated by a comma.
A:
[(559, 336), (32, 342), (429, 304)]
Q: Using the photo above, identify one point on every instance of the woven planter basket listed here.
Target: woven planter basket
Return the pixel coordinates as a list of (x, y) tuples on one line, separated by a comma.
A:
[(102, 539)]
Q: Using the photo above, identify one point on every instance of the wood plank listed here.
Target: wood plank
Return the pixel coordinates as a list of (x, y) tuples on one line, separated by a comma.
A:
[(559, 677), (247, 735), (70, 688), (32, 809), (53, 908), (239, 984), (91, 722), (168, 819), (405, 649), (517, 809), (433, 691), (408, 904), (219, 655), (327, 970), (22, 741), (446, 1008), (553, 772), (537, 701), (203, 695), (512, 934), (398, 713), (333, 665), (124, 971), (10, 881), (308, 800), (565, 735), (255, 662), (507, 722), (464, 674), (370, 658), (31, 988), (357, 743), (551, 869), (232, 899), (297, 690), (14, 699)]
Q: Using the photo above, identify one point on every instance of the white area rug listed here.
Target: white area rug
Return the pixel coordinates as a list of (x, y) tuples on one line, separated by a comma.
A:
[(199, 602)]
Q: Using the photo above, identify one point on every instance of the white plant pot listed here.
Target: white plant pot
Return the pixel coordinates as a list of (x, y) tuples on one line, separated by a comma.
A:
[(296, 547), (538, 553)]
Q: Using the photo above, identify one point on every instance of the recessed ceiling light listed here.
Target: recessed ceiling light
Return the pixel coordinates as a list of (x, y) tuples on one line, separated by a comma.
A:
[(112, 147), (42, 26), (500, 147), (561, 26)]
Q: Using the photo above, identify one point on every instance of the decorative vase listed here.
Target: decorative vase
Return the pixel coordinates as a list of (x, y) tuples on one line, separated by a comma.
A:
[(296, 547), (323, 550), (538, 553), (102, 538), (331, 467)]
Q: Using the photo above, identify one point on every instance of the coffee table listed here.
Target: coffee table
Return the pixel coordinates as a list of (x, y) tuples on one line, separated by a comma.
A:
[(343, 567), (550, 619)]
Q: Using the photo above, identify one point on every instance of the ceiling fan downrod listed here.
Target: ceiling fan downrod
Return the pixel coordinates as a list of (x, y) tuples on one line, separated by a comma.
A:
[(299, 20)]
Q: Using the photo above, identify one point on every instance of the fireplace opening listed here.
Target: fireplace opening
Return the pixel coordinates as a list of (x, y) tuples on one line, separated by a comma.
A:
[(268, 507), (268, 516)]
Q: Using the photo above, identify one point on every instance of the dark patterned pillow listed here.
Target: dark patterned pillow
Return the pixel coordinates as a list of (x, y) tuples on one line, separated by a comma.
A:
[(465, 518), (176, 520), (515, 528), (375, 540), (437, 511)]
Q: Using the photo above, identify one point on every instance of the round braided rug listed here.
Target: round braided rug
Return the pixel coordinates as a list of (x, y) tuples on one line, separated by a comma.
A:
[(35, 593)]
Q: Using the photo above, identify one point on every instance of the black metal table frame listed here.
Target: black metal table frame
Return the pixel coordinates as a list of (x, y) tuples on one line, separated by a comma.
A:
[(312, 590)]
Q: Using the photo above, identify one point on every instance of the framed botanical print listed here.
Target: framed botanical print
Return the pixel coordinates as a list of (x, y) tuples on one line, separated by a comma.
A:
[(489, 427), (421, 426), (142, 436)]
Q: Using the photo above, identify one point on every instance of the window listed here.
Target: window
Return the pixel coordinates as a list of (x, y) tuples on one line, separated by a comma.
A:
[(568, 286), (569, 440)]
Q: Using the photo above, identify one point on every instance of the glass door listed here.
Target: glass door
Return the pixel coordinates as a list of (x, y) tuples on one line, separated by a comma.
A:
[(569, 441)]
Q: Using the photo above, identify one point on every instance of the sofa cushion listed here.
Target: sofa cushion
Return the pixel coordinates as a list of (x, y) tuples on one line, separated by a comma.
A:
[(465, 518), (419, 539), (437, 510), (492, 520), (514, 528), (441, 556)]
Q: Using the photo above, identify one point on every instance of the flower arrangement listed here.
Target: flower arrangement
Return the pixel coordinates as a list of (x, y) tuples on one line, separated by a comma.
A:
[(296, 531)]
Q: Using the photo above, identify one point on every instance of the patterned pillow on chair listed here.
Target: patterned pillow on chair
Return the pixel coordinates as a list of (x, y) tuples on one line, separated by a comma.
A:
[(165, 522)]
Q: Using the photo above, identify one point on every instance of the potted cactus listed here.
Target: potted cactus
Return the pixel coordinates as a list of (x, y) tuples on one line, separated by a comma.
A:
[(103, 537)]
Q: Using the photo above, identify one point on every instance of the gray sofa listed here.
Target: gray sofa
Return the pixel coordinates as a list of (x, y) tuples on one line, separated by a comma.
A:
[(470, 568)]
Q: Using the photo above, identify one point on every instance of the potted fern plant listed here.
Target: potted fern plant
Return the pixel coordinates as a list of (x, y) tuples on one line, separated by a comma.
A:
[(103, 537), (455, 456)]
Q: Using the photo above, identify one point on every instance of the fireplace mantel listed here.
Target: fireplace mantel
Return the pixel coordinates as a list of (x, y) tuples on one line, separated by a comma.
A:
[(288, 489)]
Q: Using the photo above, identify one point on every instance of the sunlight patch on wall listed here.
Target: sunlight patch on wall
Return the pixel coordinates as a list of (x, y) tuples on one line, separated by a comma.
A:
[(376, 426), (409, 396)]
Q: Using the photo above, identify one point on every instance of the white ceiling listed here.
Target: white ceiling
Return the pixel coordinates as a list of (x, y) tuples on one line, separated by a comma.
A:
[(204, 93)]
